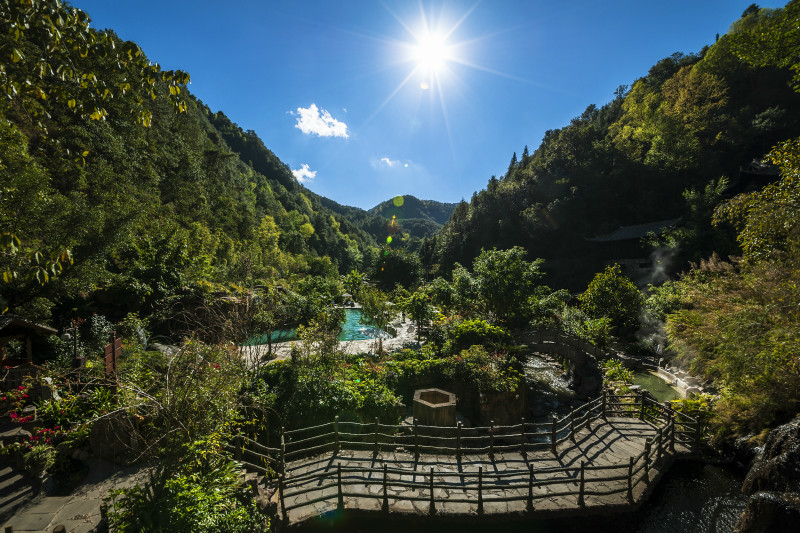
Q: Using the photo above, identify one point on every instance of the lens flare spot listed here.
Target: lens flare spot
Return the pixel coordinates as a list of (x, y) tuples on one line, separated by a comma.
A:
[(398, 201)]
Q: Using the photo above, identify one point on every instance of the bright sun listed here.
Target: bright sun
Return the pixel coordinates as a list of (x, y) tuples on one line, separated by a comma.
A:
[(431, 53)]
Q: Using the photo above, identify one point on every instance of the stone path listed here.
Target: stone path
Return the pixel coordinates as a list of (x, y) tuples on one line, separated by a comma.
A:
[(80, 511), (455, 492)]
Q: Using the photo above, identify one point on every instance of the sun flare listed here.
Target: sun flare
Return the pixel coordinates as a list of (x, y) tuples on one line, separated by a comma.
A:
[(431, 53)]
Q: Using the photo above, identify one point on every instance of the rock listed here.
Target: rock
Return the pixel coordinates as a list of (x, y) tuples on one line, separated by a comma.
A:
[(777, 468), (769, 511), (773, 483), (114, 439), (13, 435), (165, 349)]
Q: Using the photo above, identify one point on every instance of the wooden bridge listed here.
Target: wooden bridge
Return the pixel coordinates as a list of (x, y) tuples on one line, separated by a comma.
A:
[(603, 457)]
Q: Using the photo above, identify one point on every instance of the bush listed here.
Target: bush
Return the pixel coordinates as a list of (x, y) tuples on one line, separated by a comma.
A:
[(198, 492), (612, 295)]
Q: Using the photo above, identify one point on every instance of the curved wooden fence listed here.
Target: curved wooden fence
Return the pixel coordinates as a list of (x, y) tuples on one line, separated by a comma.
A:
[(672, 428)]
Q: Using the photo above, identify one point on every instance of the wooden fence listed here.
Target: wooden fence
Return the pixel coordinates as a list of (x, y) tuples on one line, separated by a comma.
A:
[(672, 428)]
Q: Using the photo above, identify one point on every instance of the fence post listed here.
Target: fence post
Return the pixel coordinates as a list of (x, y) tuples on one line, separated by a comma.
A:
[(281, 490), (553, 435), (580, 492), (237, 455), (659, 443), (432, 509), (376, 436), (340, 501), (416, 439), (647, 459), (530, 489), (604, 414), (385, 507), (458, 441), (283, 452), (572, 425), (336, 430), (671, 433), (630, 481), (641, 412), (480, 490), (523, 438), (698, 433), (491, 439)]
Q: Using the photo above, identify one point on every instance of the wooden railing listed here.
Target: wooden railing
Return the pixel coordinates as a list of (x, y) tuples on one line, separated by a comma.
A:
[(672, 428)]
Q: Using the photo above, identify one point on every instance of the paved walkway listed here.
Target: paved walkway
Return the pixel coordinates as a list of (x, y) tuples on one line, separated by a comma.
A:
[(80, 511), (611, 443)]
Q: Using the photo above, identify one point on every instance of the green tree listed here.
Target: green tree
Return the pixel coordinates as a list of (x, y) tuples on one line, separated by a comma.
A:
[(376, 309), (612, 295), (397, 266), (419, 308), (771, 39), (49, 53), (505, 281)]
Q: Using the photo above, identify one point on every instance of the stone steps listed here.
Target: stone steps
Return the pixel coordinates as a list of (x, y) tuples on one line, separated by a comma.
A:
[(16, 490)]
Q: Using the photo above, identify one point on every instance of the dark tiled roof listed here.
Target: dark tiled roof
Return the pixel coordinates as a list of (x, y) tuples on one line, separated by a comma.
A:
[(624, 233), (12, 324)]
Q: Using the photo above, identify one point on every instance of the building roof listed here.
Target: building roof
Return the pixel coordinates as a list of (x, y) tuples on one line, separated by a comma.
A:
[(624, 233), (14, 325)]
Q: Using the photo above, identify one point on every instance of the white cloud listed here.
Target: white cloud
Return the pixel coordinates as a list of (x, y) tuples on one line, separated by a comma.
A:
[(319, 122), (304, 174)]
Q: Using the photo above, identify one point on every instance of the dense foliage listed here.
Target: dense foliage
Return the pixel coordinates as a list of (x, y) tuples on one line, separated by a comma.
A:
[(116, 179), (692, 119), (740, 321)]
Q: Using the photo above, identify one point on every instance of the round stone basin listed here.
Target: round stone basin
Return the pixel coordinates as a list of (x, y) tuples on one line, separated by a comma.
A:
[(435, 407)]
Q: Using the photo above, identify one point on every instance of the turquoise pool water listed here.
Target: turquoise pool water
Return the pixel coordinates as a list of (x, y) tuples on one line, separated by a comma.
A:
[(352, 330)]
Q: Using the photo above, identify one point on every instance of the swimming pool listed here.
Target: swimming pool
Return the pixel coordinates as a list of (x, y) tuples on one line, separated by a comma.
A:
[(352, 330)]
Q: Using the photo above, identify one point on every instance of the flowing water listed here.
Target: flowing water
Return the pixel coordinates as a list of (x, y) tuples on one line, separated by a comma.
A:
[(548, 388)]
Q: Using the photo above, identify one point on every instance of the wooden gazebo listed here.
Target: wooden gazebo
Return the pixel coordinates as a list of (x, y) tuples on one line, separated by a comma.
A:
[(17, 328)]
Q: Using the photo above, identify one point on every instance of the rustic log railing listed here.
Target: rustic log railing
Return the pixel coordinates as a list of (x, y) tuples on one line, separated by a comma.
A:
[(672, 428)]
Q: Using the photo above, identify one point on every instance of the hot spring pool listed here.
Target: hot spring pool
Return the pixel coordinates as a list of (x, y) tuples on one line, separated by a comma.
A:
[(352, 330)]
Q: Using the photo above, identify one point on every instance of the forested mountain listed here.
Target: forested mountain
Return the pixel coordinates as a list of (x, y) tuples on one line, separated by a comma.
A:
[(114, 173), (671, 145), (407, 207)]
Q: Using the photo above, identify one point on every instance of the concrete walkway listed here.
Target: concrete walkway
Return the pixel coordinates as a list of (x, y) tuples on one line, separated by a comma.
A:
[(610, 443), (78, 512)]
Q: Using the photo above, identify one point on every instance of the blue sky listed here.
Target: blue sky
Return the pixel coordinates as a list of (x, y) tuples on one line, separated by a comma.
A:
[(367, 100)]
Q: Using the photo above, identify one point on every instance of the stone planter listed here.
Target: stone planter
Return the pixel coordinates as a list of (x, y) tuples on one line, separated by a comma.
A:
[(435, 407)]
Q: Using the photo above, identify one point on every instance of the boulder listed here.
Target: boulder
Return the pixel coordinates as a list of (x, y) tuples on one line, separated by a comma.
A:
[(115, 439), (769, 511), (773, 483)]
